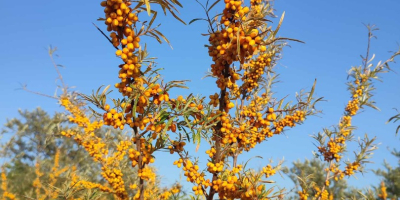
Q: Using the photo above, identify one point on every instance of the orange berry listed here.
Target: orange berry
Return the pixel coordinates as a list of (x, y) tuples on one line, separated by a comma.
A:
[(246, 9), (254, 33), (124, 41), (173, 128), (109, 20), (130, 46), (129, 38), (115, 22), (118, 52), (124, 56)]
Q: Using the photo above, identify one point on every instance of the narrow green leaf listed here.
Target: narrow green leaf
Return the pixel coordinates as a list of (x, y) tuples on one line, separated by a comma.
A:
[(163, 37), (197, 19), (156, 37), (311, 92), (187, 122), (177, 3), (280, 103), (134, 106), (244, 167), (212, 6), (105, 90), (152, 19), (147, 2), (279, 25), (176, 17), (187, 134)]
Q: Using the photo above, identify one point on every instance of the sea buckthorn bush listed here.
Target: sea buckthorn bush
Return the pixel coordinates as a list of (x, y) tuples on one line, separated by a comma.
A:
[(244, 49)]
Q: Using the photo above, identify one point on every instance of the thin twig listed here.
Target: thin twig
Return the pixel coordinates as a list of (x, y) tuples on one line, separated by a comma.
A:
[(58, 71), (208, 16), (369, 42), (38, 93)]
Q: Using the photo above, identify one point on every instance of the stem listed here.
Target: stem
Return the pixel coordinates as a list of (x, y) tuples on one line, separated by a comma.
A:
[(140, 164), (218, 135), (209, 22), (208, 16), (326, 179), (235, 156), (58, 72), (369, 42), (37, 93)]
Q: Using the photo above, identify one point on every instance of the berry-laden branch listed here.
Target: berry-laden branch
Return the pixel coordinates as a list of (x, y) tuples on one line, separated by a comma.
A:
[(334, 149), (145, 106), (244, 51)]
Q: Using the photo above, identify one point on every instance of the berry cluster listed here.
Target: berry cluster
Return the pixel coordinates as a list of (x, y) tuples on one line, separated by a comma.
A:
[(96, 148), (268, 171), (215, 168), (114, 178), (324, 195), (254, 69), (176, 146), (119, 20), (115, 119), (289, 120), (193, 175), (350, 168), (146, 151), (146, 174)]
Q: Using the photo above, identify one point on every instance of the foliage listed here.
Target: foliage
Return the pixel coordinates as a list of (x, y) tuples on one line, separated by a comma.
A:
[(395, 118), (36, 146), (391, 177), (100, 161), (312, 172), (34, 138), (34, 134), (303, 172), (243, 47), (332, 143)]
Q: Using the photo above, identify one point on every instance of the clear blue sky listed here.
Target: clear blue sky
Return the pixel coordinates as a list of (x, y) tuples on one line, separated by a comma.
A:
[(334, 35)]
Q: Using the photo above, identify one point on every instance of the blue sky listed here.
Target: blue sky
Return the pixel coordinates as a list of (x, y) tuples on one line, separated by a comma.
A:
[(333, 31)]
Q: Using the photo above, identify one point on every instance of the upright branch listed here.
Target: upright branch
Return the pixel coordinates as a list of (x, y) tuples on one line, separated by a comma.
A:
[(145, 105), (244, 51), (333, 142), (371, 29), (51, 53)]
